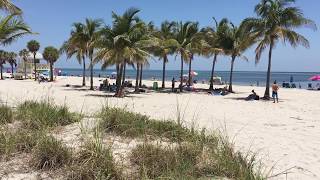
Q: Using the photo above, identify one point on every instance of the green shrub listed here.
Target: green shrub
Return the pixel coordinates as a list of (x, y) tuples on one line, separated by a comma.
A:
[(39, 115), (6, 114), (92, 162), (50, 153), (133, 125)]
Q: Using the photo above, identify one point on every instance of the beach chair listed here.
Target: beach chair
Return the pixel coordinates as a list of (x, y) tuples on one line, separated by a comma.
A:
[(310, 86)]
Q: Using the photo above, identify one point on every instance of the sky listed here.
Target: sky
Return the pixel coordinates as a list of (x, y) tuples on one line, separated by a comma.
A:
[(53, 19)]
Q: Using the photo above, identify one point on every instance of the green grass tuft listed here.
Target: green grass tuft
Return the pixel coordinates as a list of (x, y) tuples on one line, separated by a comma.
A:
[(19, 141), (128, 124), (41, 115), (49, 154), (92, 162), (6, 114)]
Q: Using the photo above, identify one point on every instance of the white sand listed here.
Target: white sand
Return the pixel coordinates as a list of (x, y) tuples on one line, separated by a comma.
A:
[(285, 135)]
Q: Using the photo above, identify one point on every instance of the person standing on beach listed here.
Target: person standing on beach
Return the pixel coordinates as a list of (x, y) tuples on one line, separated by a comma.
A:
[(275, 89), (173, 84)]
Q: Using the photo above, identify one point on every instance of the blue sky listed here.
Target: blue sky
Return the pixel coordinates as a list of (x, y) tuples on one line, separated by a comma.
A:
[(53, 20)]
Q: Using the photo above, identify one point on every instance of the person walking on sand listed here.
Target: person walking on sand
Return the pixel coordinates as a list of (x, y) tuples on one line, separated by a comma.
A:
[(275, 89)]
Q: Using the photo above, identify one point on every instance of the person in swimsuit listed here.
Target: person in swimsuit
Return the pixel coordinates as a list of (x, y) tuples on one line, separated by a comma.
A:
[(275, 89)]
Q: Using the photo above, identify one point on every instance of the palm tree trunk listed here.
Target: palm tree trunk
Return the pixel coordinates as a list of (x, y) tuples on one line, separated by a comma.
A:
[(137, 78), (119, 86), (212, 71), (165, 58), (25, 69), (35, 66), (124, 72), (267, 91), (51, 71), (84, 72), (12, 70), (91, 72), (1, 72), (189, 75), (140, 81), (181, 74), (231, 74)]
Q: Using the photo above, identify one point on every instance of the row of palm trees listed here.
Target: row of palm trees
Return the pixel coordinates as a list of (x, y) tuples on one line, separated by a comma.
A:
[(131, 41), (7, 57)]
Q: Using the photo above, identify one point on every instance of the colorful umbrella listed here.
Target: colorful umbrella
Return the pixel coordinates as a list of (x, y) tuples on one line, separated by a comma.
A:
[(315, 78)]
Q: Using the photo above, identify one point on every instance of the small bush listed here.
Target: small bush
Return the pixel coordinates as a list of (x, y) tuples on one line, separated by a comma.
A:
[(6, 114), (92, 162), (50, 153), (130, 124), (39, 115)]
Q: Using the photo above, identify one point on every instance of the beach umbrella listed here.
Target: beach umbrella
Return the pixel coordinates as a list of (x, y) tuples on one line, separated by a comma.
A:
[(114, 73), (315, 78), (193, 73)]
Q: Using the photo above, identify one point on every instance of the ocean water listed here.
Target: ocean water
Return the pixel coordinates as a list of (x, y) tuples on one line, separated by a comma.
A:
[(239, 77)]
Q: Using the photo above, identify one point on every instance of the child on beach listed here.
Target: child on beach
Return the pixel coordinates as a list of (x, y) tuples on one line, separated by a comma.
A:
[(275, 89)]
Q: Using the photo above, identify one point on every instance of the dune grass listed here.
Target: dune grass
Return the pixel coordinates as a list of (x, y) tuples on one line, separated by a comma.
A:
[(6, 114), (42, 115), (50, 154), (93, 161), (16, 142), (133, 125)]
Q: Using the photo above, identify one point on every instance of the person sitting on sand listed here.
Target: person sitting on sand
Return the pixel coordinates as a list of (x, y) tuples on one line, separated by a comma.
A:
[(253, 96), (275, 89)]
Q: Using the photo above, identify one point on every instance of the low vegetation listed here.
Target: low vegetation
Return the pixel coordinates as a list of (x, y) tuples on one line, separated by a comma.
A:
[(133, 125), (168, 151), (6, 115), (42, 115), (93, 162), (50, 154)]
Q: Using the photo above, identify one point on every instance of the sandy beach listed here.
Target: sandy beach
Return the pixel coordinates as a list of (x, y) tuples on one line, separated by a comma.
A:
[(285, 135)]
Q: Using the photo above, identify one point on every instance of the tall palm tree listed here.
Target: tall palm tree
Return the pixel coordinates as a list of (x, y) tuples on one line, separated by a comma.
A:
[(24, 56), (183, 33), (213, 37), (123, 43), (195, 46), (51, 54), (7, 5), (276, 21), (75, 46), (33, 47), (90, 35), (166, 45), (3, 58), (235, 42), (12, 60)]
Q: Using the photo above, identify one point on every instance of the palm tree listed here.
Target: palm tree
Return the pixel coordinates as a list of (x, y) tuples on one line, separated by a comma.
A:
[(183, 33), (90, 35), (166, 45), (51, 54), (276, 21), (12, 28), (122, 44), (75, 46), (3, 59), (33, 47), (24, 56), (234, 43), (213, 37), (12, 60), (7, 5)]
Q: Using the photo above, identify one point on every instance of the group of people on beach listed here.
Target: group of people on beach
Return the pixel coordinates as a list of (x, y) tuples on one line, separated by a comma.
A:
[(275, 97)]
